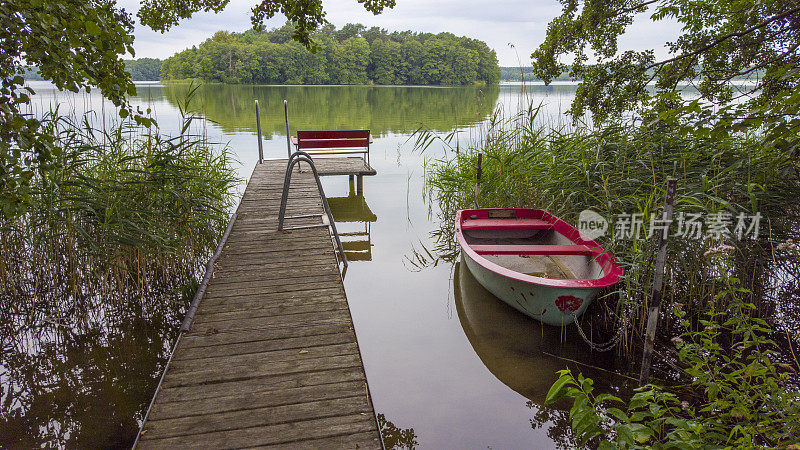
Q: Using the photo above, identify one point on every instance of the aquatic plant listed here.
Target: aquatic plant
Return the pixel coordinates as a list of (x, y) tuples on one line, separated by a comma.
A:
[(738, 395), (622, 169), (106, 257)]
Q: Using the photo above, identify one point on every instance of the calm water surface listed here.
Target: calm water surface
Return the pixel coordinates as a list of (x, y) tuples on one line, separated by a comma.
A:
[(442, 355)]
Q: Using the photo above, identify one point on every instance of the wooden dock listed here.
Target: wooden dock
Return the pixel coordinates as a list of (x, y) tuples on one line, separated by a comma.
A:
[(271, 359)]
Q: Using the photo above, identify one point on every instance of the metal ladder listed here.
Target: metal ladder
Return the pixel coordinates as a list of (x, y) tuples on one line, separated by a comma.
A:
[(294, 159)]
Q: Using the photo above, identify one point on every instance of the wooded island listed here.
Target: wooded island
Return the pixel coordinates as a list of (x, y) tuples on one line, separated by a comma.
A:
[(350, 55)]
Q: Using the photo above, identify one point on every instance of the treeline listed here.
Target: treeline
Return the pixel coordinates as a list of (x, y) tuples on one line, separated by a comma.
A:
[(144, 69), (350, 55), (517, 74)]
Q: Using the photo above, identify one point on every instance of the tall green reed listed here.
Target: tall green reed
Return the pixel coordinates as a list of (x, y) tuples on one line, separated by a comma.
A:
[(95, 275), (121, 209), (622, 169)]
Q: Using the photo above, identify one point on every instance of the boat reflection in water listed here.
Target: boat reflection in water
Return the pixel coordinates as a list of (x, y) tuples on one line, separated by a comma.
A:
[(526, 355), (356, 241)]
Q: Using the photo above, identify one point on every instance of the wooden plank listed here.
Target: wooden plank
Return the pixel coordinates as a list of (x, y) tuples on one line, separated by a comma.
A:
[(324, 146), (261, 310), (211, 326), (259, 386), (253, 270), (294, 287), (233, 303), (257, 417), (243, 279), (264, 334), (258, 399), (285, 433), (218, 374), (271, 358), (251, 347), (355, 440), (331, 134)]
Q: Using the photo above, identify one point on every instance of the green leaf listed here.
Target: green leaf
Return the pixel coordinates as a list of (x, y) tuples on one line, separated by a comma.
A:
[(92, 28), (618, 414), (641, 433), (556, 390)]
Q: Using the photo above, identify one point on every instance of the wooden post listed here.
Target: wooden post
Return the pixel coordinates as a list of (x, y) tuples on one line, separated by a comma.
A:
[(360, 185), (654, 309), (258, 129), (478, 178), (352, 181)]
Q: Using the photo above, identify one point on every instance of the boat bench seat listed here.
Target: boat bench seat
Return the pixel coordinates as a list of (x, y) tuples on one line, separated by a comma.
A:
[(532, 249), (505, 224)]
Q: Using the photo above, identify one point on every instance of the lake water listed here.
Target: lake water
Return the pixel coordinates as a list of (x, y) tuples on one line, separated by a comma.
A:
[(442, 355)]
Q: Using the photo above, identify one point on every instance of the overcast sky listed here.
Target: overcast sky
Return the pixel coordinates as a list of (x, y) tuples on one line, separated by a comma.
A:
[(497, 22)]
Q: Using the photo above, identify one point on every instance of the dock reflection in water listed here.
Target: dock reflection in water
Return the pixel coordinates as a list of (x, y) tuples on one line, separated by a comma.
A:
[(356, 241), (526, 355)]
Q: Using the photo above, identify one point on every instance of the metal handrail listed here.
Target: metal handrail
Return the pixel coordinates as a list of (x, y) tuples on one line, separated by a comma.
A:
[(296, 158)]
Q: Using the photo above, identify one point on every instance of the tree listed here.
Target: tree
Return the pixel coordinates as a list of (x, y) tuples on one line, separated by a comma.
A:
[(307, 15), (348, 31), (721, 41), (145, 69), (374, 33), (236, 57), (79, 44)]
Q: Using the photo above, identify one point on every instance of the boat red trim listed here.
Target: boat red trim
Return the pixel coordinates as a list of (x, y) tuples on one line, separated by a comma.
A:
[(612, 271)]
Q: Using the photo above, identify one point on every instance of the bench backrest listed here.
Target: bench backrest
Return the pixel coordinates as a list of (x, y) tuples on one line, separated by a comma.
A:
[(333, 139)]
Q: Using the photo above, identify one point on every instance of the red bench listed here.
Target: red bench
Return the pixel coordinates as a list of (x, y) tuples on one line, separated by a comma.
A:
[(333, 142)]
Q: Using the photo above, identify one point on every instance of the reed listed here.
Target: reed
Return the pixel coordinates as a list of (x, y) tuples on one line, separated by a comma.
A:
[(622, 169), (96, 274), (121, 212)]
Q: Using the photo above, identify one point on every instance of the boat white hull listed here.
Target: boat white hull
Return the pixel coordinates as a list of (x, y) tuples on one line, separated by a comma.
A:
[(548, 304)]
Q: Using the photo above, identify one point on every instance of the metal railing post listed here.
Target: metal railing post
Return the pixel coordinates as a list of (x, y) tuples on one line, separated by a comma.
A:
[(296, 158), (258, 129), (286, 119)]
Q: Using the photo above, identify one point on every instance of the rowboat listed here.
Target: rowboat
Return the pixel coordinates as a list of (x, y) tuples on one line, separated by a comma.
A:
[(534, 261)]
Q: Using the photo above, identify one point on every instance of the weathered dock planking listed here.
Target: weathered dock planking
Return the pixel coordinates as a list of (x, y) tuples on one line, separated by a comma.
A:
[(271, 359)]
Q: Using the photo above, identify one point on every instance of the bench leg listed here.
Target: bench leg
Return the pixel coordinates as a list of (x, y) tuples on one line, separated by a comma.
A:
[(352, 183), (360, 185)]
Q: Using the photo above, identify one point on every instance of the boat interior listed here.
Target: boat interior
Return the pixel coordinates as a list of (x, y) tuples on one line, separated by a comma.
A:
[(530, 246)]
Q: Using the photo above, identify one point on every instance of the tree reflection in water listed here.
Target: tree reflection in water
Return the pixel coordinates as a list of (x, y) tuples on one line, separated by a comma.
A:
[(380, 109), (394, 437), (85, 385)]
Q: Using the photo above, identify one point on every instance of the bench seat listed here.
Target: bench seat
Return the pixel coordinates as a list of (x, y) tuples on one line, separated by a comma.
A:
[(505, 224), (532, 250)]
